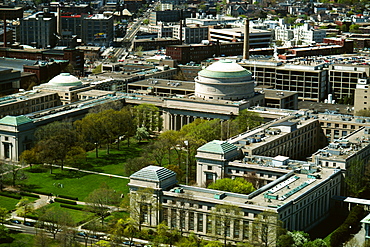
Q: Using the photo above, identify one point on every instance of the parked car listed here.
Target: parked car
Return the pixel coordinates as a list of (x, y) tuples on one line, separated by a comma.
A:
[(15, 221)]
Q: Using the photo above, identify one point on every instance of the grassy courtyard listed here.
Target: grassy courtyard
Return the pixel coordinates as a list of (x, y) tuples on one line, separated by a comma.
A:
[(71, 183), (112, 163), (8, 203)]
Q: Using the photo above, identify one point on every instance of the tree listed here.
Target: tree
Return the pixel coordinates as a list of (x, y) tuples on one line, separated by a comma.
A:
[(237, 185), (55, 219), (24, 207), (354, 178), (4, 235), (67, 237), (55, 141), (266, 228), (165, 235), (170, 139), (191, 241), (41, 239), (15, 174), (247, 120), (100, 199), (299, 238), (364, 113), (4, 169), (181, 210), (4, 214), (68, 69), (135, 164), (354, 28), (141, 134), (222, 216), (316, 243), (252, 178), (142, 205), (148, 116)]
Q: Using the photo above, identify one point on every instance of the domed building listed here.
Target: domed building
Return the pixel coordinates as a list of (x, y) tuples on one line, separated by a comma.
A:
[(224, 80), (67, 86), (64, 80)]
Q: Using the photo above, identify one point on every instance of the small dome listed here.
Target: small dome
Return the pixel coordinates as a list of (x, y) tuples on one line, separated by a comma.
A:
[(225, 69), (65, 80)]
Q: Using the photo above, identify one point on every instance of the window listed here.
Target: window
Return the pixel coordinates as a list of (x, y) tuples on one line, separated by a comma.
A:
[(191, 221), (209, 168), (200, 223), (245, 229)]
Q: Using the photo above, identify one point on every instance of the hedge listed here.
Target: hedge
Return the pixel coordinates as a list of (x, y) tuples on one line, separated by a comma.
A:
[(38, 192), (350, 226), (75, 207), (68, 197), (11, 195), (29, 194), (61, 200)]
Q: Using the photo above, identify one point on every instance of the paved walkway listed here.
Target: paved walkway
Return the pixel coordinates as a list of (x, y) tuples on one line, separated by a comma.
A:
[(92, 172)]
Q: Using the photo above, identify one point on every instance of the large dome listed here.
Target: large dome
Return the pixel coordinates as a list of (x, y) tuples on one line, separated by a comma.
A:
[(65, 80), (225, 80), (225, 69)]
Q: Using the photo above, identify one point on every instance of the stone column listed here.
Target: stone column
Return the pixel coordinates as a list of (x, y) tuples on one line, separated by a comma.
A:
[(181, 121), (175, 122)]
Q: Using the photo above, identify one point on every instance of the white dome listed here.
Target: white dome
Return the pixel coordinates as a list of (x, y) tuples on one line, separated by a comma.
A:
[(225, 80), (65, 80)]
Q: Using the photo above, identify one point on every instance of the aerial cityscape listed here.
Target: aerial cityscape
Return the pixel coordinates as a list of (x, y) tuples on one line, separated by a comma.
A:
[(185, 123)]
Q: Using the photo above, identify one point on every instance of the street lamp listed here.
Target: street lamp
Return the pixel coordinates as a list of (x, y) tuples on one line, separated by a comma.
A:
[(186, 142)]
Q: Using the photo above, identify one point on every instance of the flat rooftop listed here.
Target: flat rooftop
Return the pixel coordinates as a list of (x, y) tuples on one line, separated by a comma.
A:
[(165, 84), (347, 146), (290, 186)]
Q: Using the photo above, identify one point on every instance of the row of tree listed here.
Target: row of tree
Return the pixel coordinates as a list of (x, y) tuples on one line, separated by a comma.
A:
[(63, 141)]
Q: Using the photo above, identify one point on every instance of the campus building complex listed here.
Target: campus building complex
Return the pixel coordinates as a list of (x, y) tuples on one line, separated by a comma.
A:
[(299, 193)]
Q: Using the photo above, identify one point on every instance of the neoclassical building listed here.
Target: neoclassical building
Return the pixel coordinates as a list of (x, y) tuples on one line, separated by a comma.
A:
[(224, 80)]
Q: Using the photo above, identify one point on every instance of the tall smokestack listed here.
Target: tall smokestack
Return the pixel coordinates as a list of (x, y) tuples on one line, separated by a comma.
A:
[(58, 20), (181, 17), (246, 40)]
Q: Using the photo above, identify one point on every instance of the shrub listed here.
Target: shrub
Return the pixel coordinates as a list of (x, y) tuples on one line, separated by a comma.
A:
[(11, 195), (65, 201), (75, 207), (38, 192), (29, 194), (68, 197), (350, 226)]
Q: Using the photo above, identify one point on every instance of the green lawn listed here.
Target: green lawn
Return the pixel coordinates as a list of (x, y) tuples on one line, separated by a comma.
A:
[(71, 183), (112, 163), (8, 203), (79, 216), (20, 239)]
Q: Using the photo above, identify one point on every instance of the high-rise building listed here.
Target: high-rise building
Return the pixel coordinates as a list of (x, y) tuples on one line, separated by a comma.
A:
[(39, 30)]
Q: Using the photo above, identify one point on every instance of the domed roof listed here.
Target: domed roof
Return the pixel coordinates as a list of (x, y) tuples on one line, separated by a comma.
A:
[(65, 80), (225, 69)]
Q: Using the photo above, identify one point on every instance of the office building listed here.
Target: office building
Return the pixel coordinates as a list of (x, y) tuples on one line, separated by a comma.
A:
[(39, 30), (191, 34), (310, 81), (257, 38), (98, 30), (167, 16)]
